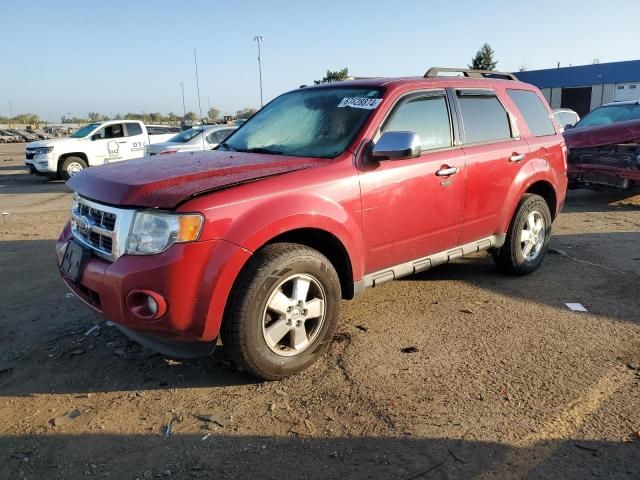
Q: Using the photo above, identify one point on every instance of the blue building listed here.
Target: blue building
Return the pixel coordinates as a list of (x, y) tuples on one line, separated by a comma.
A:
[(586, 87)]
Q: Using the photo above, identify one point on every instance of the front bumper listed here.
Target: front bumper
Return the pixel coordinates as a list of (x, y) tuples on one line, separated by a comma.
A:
[(194, 279), (606, 175), (41, 165)]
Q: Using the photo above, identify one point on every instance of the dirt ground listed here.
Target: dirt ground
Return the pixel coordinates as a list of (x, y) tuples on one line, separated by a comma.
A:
[(460, 372)]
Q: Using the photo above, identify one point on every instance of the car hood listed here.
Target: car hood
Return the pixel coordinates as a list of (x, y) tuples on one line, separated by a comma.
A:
[(49, 142), (164, 181), (602, 135)]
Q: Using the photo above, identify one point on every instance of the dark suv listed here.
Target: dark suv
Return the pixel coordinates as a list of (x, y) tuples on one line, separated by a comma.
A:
[(324, 192)]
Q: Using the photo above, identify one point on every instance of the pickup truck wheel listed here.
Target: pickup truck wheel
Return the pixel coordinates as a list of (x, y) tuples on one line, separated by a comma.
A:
[(528, 237), (71, 166), (283, 312)]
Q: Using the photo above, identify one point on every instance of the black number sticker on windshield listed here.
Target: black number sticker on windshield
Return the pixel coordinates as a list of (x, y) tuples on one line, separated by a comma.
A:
[(360, 102)]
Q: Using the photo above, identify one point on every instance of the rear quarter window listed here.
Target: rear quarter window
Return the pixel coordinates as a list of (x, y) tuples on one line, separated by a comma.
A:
[(133, 129), (533, 111), (483, 117)]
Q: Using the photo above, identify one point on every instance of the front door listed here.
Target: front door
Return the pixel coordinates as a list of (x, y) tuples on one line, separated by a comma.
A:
[(408, 210), (495, 154)]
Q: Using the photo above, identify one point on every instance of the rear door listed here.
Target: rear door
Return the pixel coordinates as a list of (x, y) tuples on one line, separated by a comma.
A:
[(546, 147), (134, 142), (495, 153), (408, 211)]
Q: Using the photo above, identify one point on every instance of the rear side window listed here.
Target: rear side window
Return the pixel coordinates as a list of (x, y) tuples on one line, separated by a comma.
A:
[(133, 129), (533, 111), (427, 116), (484, 118)]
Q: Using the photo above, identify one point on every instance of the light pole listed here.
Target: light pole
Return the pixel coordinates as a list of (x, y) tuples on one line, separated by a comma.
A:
[(258, 38), (184, 110)]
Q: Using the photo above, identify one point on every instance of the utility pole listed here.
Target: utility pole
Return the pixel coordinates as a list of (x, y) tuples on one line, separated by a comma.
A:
[(195, 61), (258, 39), (10, 114), (184, 110)]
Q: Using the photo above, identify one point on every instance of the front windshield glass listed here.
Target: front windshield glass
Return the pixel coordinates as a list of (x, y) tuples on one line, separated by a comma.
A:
[(318, 123), (184, 137), (84, 131), (610, 114)]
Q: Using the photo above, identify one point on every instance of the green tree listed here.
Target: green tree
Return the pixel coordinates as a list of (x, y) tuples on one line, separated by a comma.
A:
[(213, 114), (28, 118), (245, 113), (95, 116), (483, 59), (191, 117), (336, 76)]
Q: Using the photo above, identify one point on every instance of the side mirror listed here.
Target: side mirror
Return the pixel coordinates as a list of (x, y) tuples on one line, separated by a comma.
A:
[(396, 146), (96, 137), (568, 126)]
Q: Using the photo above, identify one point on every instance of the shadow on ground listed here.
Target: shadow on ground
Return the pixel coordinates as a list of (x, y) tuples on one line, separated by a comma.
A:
[(250, 457)]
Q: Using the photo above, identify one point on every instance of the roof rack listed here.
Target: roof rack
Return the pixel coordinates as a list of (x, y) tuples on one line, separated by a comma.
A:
[(467, 72)]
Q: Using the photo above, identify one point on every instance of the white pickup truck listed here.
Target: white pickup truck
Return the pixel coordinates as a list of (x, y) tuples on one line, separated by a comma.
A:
[(94, 144)]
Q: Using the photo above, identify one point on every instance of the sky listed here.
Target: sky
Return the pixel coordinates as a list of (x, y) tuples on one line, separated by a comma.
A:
[(73, 57)]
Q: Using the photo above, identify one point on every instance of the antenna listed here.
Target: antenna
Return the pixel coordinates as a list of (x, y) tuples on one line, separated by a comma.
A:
[(195, 61)]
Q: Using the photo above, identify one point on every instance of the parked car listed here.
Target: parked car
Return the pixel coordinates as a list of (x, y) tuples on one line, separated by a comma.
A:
[(9, 137), (565, 118), (94, 144), (204, 137), (604, 148), (27, 136), (325, 191), (161, 133)]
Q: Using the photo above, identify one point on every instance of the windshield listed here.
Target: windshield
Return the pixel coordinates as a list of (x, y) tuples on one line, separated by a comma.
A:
[(318, 123), (84, 131), (184, 137), (610, 114)]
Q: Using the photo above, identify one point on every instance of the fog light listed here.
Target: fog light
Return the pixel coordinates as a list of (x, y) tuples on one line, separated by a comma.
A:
[(146, 305), (152, 306)]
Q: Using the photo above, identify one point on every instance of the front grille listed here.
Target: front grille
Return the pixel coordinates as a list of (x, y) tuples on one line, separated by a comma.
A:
[(100, 227)]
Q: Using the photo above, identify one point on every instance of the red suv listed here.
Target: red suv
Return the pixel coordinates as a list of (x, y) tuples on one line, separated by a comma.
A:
[(324, 192)]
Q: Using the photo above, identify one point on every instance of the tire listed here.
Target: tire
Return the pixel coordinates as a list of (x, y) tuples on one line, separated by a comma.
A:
[(518, 257), (276, 277), (70, 167)]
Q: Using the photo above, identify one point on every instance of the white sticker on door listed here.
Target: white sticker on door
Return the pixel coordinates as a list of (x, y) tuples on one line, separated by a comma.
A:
[(360, 102)]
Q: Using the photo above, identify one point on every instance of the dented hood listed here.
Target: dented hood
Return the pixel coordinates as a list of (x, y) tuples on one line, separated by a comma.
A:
[(164, 181), (620, 132)]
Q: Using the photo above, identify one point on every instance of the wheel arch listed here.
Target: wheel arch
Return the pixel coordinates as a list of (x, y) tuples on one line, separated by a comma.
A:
[(64, 156), (546, 191), (327, 244)]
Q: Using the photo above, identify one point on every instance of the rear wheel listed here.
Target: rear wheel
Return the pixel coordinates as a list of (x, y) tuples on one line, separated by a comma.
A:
[(71, 166), (283, 312), (528, 237)]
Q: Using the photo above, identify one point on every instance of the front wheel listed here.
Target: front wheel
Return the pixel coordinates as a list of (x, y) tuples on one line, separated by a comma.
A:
[(283, 311), (70, 167), (528, 237)]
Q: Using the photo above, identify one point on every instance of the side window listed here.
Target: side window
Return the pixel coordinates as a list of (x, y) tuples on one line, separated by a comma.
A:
[(110, 131), (533, 111), (428, 116), (133, 129), (484, 118), (223, 134), (153, 131)]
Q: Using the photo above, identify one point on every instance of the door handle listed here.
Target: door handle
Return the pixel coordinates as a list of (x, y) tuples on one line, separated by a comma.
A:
[(517, 157), (447, 171), (123, 141)]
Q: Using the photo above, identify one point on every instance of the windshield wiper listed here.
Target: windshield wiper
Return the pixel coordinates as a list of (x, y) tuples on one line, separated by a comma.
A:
[(261, 150), (227, 146)]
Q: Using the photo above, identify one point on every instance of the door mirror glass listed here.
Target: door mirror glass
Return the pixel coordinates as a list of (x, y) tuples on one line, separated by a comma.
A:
[(96, 136), (396, 146)]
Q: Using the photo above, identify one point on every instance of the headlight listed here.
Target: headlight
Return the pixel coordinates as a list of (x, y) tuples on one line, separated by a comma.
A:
[(155, 232), (43, 150)]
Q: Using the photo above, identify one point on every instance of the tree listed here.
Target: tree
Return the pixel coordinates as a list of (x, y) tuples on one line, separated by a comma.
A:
[(95, 116), (484, 59), (245, 113), (336, 76), (213, 114), (191, 117)]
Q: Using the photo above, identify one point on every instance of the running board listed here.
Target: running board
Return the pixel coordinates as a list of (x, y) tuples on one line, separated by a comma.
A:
[(425, 263)]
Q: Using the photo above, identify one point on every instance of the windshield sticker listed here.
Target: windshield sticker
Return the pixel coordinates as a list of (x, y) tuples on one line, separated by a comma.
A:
[(360, 102)]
